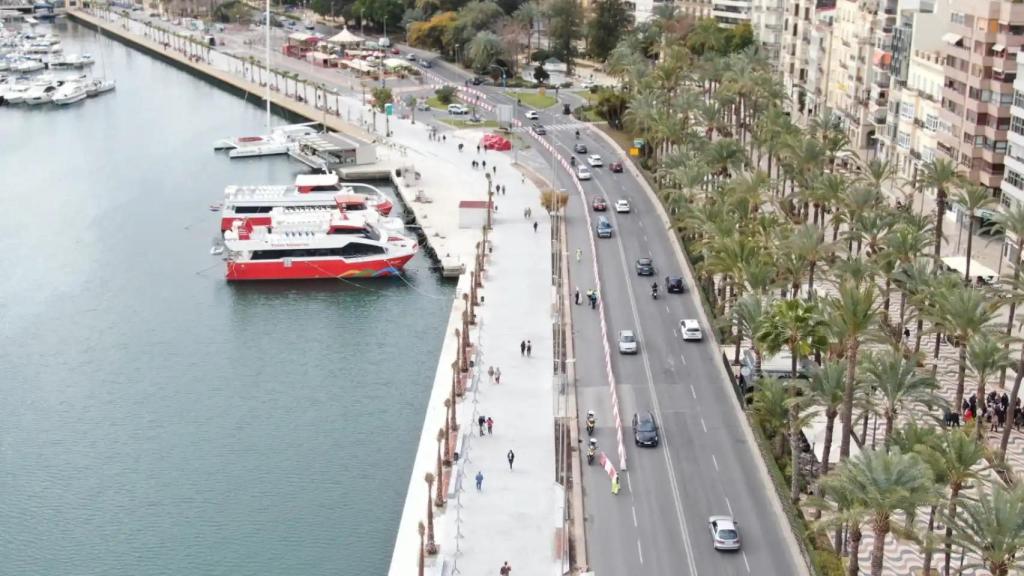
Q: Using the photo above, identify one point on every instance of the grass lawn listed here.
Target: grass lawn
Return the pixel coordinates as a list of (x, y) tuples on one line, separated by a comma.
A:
[(587, 95), (534, 100), (591, 116), (457, 123), (433, 102)]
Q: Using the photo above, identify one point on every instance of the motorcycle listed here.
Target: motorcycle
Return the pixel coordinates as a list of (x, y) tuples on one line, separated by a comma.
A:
[(590, 455), (654, 294), (590, 426)]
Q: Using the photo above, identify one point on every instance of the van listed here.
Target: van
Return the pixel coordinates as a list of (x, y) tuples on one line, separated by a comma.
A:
[(604, 228)]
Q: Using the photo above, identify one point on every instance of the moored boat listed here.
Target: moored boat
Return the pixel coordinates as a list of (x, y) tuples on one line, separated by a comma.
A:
[(70, 93)]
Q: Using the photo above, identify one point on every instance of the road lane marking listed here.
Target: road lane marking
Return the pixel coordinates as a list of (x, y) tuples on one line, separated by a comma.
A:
[(745, 561), (656, 405), (729, 505), (692, 391), (683, 358), (703, 425), (634, 517), (640, 551), (715, 460), (629, 484), (645, 239), (668, 310)]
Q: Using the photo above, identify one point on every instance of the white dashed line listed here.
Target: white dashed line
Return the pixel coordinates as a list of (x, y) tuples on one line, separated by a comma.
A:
[(634, 517), (715, 460), (729, 505), (640, 552), (629, 484), (669, 311), (683, 358), (745, 562), (692, 391), (703, 425)]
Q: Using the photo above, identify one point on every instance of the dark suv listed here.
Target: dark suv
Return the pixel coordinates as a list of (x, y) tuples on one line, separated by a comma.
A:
[(645, 430), (674, 285), (644, 267)]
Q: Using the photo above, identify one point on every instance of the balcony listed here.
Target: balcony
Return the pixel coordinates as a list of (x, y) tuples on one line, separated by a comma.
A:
[(881, 79)]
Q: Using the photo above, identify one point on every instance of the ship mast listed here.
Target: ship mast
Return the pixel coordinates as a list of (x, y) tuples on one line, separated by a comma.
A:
[(267, 94)]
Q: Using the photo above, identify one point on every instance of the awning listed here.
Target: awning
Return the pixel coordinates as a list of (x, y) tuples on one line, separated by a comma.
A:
[(998, 48), (882, 58), (345, 38), (952, 38), (301, 37)]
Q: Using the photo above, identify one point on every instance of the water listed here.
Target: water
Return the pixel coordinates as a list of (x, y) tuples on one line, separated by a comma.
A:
[(154, 419)]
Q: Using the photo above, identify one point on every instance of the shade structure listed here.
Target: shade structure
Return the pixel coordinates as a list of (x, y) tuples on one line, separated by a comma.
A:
[(345, 38), (495, 142)]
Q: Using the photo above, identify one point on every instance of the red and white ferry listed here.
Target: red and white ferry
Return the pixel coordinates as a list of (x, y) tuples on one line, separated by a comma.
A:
[(314, 244), (254, 203)]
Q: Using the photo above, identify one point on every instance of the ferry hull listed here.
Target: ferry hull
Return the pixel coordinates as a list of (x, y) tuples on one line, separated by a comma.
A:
[(312, 269)]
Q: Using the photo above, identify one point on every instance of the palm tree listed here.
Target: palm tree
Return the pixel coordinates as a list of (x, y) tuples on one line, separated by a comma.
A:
[(920, 439), (1014, 392), (961, 457), (852, 315), (940, 174), (770, 412), (808, 244), (1011, 222), (431, 545), (846, 510), (972, 197), (992, 528), (825, 389), (796, 325), (421, 529), (985, 355), (749, 313), (899, 383), (885, 483), (964, 312)]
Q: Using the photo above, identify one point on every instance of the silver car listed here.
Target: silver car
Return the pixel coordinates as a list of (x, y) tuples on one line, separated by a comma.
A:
[(724, 533), (627, 342)]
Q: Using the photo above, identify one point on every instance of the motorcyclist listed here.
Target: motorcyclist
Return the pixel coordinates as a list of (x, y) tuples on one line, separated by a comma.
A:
[(572, 160), (591, 422), (577, 134), (654, 289), (591, 451)]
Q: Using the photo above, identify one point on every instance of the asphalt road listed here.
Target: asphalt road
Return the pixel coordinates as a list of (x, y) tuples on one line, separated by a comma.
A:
[(658, 523)]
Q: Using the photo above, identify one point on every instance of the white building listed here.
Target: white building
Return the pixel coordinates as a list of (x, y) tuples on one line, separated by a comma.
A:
[(731, 13), (1013, 175)]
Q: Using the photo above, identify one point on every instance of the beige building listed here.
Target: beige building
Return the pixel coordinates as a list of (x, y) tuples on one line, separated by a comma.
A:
[(803, 55), (849, 81)]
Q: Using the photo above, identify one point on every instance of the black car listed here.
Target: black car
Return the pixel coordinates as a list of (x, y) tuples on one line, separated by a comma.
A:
[(674, 285), (645, 430), (644, 267), (477, 80), (566, 109), (580, 148)]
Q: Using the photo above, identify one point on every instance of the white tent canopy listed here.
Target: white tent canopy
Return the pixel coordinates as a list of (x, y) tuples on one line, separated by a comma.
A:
[(345, 38)]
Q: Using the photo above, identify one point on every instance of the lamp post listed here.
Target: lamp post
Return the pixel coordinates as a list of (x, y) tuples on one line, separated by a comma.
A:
[(490, 201)]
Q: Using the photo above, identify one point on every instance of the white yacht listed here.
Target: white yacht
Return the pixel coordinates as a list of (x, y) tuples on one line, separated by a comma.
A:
[(98, 86), (70, 93), (14, 93), (41, 93), (71, 61)]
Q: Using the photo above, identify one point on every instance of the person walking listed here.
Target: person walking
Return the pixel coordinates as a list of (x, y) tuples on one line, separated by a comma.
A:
[(511, 458), (490, 374), (577, 295), (534, 226), (506, 570), (494, 170), (480, 422), (477, 148), (497, 375), (484, 164), (529, 348), (526, 213), (479, 480), (490, 426), (522, 348)]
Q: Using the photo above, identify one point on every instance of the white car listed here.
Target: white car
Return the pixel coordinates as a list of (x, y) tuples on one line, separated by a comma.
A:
[(583, 173), (457, 109), (690, 330), (627, 342), (532, 115), (595, 160), (724, 533), (622, 206)]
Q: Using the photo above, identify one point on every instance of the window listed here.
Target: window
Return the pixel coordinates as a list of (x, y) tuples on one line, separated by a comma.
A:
[(1017, 125), (903, 140), (906, 110), (999, 146), (1006, 99), (1014, 179), (931, 122), (927, 154), (958, 18)]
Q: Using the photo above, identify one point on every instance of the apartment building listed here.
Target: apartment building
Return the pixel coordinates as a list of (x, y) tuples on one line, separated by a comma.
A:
[(766, 19), (849, 82), (731, 13), (1013, 176), (803, 54), (980, 45)]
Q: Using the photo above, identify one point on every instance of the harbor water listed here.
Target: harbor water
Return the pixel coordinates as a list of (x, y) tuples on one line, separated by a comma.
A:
[(154, 419)]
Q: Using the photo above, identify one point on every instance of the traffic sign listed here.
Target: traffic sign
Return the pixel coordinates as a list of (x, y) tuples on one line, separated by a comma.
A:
[(389, 109), (634, 151)]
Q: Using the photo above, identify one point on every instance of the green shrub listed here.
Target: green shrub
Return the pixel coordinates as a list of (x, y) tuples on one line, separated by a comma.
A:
[(445, 94), (828, 563), (539, 56)]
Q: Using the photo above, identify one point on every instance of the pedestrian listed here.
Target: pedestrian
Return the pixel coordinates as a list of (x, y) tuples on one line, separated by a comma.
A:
[(511, 458), (497, 375), (534, 226), (479, 480), (529, 348), (460, 147), (480, 422), (906, 333), (484, 163), (577, 295), (495, 206), (494, 169), (506, 570), (490, 374), (579, 254), (526, 213), (444, 138), (490, 426), (477, 148), (522, 348)]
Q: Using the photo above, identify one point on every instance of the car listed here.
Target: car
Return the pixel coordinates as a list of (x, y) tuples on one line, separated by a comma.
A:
[(580, 148), (644, 267), (615, 167), (538, 129), (476, 81), (426, 63), (396, 51), (674, 285), (645, 429), (457, 109), (725, 534), (410, 57), (595, 160), (627, 342), (422, 106), (690, 329), (583, 173), (532, 115), (566, 109), (599, 204), (604, 228), (622, 206), (588, 84)]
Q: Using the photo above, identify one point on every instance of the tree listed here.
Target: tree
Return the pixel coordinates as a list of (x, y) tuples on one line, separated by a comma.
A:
[(540, 74), (1011, 222), (939, 174), (973, 197), (605, 27), (991, 526), (434, 34), (964, 312), (897, 380), (884, 483), (770, 412), (380, 12), (381, 96), (825, 390), (566, 28), (985, 355), (445, 94), (611, 105), (483, 50)]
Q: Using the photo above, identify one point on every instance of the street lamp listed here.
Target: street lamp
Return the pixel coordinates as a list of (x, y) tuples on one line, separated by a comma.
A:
[(490, 200)]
